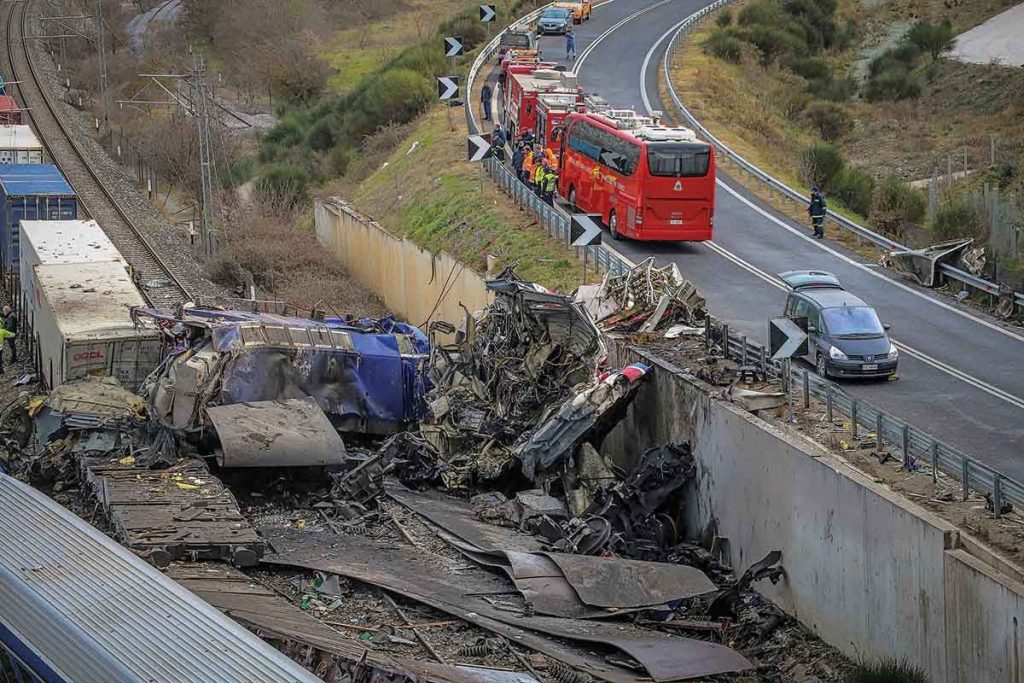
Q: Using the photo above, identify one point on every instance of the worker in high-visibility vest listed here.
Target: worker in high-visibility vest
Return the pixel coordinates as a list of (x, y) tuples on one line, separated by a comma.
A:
[(538, 178), (550, 184), (529, 166)]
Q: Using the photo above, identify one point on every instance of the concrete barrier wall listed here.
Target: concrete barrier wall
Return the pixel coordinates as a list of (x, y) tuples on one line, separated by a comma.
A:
[(414, 284), (866, 570)]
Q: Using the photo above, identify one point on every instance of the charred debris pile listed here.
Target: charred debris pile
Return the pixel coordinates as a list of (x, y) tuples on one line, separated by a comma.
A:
[(488, 434)]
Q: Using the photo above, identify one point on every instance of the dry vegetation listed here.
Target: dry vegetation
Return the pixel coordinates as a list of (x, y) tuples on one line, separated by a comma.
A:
[(961, 107)]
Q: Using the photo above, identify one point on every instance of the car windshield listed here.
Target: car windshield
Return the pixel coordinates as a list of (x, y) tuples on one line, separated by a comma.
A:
[(515, 39), (853, 321), (555, 13)]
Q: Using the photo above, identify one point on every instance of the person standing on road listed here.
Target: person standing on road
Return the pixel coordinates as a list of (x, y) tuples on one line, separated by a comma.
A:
[(570, 45), (817, 211), (528, 167), (8, 335), (498, 143), (538, 176), (485, 100)]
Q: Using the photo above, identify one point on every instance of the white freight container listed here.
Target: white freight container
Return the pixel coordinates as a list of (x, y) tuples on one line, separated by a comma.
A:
[(83, 326), (19, 145), (59, 242)]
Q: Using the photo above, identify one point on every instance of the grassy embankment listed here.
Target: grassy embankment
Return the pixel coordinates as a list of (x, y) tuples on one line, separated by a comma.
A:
[(773, 106)]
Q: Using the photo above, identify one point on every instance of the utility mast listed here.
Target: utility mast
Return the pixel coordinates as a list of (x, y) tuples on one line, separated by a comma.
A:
[(101, 52), (206, 163)]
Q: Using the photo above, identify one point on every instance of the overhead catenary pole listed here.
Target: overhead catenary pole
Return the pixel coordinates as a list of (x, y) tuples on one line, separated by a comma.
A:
[(206, 169), (101, 53)]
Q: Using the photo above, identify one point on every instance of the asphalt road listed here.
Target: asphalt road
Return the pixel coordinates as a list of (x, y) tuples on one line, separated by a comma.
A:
[(961, 373)]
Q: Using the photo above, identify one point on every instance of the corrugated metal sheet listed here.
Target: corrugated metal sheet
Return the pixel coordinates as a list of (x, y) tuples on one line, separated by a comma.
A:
[(19, 180), (18, 137), (95, 612)]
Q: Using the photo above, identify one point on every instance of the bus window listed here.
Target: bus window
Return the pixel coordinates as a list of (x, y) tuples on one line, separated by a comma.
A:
[(678, 160)]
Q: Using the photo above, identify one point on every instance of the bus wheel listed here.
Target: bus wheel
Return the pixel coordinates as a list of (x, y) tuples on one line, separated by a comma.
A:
[(572, 199), (613, 226)]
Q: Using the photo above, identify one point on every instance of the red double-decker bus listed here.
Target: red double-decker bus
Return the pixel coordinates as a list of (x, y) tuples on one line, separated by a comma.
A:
[(646, 181)]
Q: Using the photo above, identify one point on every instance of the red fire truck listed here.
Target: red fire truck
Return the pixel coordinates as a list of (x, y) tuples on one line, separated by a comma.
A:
[(524, 87), (645, 180)]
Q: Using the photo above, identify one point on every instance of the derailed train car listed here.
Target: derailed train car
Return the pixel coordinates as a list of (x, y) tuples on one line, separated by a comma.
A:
[(368, 376)]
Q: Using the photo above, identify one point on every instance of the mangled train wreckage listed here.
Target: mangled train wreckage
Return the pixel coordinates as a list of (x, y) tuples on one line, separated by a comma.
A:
[(366, 375), (492, 442)]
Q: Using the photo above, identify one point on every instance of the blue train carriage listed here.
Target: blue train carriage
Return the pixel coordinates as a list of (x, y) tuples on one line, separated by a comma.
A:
[(30, 192)]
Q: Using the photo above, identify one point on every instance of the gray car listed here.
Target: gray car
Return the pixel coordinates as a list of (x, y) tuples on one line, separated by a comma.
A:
[(845, 336), (554, 20)]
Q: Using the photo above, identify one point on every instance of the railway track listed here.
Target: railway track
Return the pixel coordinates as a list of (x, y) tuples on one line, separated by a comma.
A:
[(155, 279)]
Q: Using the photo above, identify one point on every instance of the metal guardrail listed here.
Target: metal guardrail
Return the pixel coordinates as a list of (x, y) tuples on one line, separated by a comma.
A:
[(552, 218), (914, 445), (908, 442), (787, 192)]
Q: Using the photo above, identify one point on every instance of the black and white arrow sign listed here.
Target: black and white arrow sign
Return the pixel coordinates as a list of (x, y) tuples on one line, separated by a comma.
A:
[(447, 87), (584, 230), (453, 46), (478, 147), (787, 337), (487, 13)]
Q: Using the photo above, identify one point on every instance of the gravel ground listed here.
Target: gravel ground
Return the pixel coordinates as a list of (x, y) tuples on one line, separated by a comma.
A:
[(173, 247)]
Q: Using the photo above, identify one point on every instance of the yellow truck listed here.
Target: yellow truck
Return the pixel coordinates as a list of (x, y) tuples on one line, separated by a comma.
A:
[(580, 9)]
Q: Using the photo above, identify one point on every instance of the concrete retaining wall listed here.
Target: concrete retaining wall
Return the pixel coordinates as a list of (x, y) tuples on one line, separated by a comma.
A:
[(869, 572), (414, 284)]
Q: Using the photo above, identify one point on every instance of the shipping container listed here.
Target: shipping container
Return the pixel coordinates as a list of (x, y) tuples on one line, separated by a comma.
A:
[(10, 112), (83, 325), (30, 192), (46, 242), (19, 145)]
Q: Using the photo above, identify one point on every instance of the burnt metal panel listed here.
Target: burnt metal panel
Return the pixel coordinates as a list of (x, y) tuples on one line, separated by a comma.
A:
[(622, 583), (288, 433)]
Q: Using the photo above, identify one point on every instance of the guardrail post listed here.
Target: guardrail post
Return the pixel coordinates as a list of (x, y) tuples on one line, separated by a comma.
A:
[(997, 495), (935, 462), (965, 477), (725, 341), (807, 389), (879, 424), (828, 402), (743, 351), (906, 446), (853, 418), (764, 364)]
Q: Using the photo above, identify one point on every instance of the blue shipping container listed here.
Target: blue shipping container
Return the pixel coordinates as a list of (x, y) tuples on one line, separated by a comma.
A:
[(30, 192)]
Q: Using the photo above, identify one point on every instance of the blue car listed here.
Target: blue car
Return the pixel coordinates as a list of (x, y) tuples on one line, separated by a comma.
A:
[(554, 20), (845, 336)]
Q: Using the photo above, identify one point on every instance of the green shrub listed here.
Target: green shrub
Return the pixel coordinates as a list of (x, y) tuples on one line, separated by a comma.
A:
[(288, 131), (282, 186), (760, 13), (895, 203), (773, 42), (724, 18), (932, 38), (236, 174), (888, 671), (820, 164), (831, 121), (811, 68), (956, 220), (833, 89), (905, 56), (320, 135), (893, 84), (854, 189), (725, 46), (338, 161)]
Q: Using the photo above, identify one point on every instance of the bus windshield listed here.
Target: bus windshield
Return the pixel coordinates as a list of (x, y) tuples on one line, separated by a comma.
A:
[(678, 160)]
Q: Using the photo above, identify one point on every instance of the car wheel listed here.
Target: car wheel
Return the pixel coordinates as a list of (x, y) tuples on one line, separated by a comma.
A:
[(821, 367), (572, 199), (613, 226)]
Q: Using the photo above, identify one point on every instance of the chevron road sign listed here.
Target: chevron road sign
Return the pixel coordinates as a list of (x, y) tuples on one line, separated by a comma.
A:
[(478, 147), (584, 230), (487, 13), (787, 337), (447, 87), (453, 46)]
